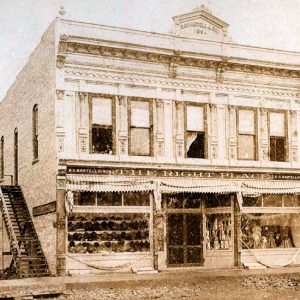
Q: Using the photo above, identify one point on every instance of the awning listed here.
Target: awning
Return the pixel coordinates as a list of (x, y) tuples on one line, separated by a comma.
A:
[(178, 185), (83, 183), (252, 188)]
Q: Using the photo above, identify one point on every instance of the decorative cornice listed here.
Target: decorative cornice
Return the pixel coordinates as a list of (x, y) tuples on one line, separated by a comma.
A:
[(175, 57)]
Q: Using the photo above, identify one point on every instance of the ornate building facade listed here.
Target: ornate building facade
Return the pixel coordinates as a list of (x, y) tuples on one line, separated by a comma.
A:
[(158, 150)]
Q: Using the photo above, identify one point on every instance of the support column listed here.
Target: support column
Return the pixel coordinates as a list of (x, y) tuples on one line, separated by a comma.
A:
[(83, 131), (232, 143), (213, 143), (179, 138), (60, 225), (237, 233), (160, 140), (123, 127)]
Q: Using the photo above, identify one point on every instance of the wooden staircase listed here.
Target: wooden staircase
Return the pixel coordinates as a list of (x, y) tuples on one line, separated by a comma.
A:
[(28, 259)]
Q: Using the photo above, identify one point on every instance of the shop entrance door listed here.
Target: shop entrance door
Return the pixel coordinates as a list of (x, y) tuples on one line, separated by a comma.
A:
[(184, 242)]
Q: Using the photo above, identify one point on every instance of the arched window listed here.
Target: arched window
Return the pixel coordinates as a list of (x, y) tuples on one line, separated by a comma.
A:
[(35, 145), (2, 157)]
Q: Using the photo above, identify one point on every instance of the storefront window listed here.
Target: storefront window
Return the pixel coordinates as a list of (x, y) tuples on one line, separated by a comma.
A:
[(218, 200), (272, 200), (218, 231), (183, 200), (270, 230), (94, 233)]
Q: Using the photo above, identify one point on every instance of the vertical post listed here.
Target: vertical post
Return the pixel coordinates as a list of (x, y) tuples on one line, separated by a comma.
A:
[(153, 233), (60, 226), (237, 232), (2, 239)]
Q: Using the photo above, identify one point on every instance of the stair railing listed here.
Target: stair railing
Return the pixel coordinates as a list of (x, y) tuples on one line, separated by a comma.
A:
[(11, 233)]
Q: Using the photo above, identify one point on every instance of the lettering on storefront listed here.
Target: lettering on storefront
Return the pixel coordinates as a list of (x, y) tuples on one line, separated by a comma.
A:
[(181, 173)]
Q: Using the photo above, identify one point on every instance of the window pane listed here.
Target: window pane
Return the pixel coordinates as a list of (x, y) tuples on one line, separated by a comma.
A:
[(175, 229), (218, 200), (87, 198), (109, 199), (277, 149), (277, 127), (246, 121), (140, 141), (102, 111), (252, 201), (195, 145), (272, 200), (246, 147), (291, 200), (136, 199), (195, 118), (140, 114), (102, 140)]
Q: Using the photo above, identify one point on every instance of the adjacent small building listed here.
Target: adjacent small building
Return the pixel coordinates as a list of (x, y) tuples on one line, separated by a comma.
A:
[(148, 151)]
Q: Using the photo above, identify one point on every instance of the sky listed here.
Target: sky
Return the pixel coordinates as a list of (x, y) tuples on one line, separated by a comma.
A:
[(263, 23)]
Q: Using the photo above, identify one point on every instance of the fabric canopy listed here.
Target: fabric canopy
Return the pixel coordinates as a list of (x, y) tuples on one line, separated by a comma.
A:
[(108, 184), (270, 187), (199, 186)]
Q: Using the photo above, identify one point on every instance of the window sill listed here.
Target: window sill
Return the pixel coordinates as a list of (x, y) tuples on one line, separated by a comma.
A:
[(34, 161)]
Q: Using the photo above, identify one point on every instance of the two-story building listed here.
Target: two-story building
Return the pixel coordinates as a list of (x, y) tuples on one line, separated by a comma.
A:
[(138, 150)]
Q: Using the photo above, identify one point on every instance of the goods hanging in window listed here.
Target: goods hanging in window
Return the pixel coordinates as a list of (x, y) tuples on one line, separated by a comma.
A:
[(218, 232), (94, 233), (271, 230)]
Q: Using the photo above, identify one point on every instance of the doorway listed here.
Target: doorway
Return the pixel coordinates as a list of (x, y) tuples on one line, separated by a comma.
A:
[(184, 239)]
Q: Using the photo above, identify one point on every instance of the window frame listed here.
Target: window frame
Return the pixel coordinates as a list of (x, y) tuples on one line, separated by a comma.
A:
[(151, 142), (238, 109), (205, 150), (286, 147), (91, 126), (35, 135)]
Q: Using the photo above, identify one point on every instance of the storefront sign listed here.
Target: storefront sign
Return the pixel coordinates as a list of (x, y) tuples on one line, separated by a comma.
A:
[(180, 173), (44, 209)]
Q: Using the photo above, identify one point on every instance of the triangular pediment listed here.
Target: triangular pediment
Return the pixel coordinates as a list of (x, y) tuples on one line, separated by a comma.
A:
[(200, 24)]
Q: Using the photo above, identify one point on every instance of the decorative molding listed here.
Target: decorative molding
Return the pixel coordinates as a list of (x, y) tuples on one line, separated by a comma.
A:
[(60, 94), (200, 85), (60, 61), (175, 57)]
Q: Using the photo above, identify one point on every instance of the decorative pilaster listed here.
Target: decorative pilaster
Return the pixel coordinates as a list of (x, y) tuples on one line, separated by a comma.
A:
[(293, 136), (123, 129), (232, 143), (214, 131), (179, 138), (160, 140), (83, 131), (264, 135), (60, 224)]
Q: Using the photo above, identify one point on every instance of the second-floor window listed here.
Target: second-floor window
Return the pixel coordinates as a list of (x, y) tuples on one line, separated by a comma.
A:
[(35, 136), (102, 131), (277, 134), (195, 131), (246, 134), (140, 128)]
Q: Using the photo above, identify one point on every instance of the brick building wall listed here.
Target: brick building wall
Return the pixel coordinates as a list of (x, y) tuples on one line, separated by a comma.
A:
[(35, 84)]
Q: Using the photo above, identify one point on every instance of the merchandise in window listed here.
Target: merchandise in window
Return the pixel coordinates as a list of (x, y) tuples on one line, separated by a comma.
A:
[(218, 232), (246, 134), (140, 128), (195, 132), (102, 126), (277, 136), (261, 231), (94, 233)]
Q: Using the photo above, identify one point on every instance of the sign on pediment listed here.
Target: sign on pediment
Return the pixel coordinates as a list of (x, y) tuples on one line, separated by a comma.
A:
[(200, 24)]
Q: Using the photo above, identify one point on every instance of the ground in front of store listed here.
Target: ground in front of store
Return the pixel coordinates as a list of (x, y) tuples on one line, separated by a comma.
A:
[(189, 284)]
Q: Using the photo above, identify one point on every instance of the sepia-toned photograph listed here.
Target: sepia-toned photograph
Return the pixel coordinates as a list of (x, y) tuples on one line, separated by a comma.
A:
[(149, 149)]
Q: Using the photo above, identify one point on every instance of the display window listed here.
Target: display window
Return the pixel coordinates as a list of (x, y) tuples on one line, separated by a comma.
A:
[(95, 233)]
